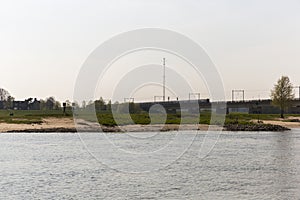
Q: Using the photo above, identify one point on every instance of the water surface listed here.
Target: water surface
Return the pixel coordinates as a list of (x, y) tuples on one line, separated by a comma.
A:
[(246, 165)]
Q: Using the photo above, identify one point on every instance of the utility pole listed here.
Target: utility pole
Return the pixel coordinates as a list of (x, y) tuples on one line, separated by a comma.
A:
[(164, 79)]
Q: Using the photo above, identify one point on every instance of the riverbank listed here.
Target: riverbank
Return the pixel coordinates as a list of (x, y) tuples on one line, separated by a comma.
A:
[(62, 125), (66, 124), (56, 121), (49, 123)]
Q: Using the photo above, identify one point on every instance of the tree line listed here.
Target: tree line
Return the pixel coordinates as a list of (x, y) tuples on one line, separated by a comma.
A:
[(281, 95), (44, 104), (51, 103)]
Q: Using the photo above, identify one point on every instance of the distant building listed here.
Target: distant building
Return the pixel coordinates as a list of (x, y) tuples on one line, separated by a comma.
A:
[(20, 105), (238, 110), (28, 104)]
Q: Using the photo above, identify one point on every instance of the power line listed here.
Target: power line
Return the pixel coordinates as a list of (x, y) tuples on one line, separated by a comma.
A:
[(194, 94), (237, 91), (128, 100), (155, 97)]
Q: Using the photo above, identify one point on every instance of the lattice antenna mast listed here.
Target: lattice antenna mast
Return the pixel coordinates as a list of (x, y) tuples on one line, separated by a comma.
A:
[(164, 79)]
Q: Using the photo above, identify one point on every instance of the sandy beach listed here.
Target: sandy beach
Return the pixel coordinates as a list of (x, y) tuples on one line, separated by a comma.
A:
[(284, 123), (68, 124), (48, 123)]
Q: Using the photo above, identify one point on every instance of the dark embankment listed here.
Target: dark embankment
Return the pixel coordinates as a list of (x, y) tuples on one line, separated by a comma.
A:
[(45, 130), (66, 130), (255, 127)]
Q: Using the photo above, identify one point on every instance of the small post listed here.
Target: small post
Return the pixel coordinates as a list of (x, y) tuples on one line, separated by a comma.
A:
[(64, 107)]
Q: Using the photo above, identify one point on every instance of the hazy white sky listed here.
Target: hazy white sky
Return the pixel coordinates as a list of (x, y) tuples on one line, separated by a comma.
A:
[(44, 43)]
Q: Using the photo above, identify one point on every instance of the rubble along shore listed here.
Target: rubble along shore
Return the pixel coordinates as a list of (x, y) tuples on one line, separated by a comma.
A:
[(255, 127)]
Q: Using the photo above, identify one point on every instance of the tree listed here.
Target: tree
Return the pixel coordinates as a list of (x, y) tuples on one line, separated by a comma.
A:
[(134, 108), (42, 104), (50, 103), (6, 98), (9, 102), (282, 94), (109, 105), (4, 94), (100, 104), (29, 100), (57, 105)]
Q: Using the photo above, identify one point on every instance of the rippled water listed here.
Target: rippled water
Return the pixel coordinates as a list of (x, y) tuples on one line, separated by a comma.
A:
[(241, 166)]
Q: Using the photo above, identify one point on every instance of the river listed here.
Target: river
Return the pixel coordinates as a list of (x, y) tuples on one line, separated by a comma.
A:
[(242, 165)]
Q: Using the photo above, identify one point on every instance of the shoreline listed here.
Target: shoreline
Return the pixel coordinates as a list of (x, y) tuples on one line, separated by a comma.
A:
[(66, 125), (149, 128)]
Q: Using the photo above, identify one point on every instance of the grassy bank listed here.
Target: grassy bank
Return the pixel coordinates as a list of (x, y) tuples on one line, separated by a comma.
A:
[(232, 122), (204, 118), (36, 117), (29, 116)]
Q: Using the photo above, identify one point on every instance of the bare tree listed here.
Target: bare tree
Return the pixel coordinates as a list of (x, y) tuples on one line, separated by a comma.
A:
[(4, 94), (282, 94)]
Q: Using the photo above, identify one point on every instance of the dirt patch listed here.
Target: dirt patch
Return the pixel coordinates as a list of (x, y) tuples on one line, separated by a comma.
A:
[(48, 123), (289, 122)]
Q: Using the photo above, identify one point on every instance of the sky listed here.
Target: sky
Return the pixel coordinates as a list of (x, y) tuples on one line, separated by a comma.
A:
[(43, 44)]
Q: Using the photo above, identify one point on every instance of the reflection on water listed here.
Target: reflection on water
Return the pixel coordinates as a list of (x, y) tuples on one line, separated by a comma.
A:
[(241, 166), (285, 159)]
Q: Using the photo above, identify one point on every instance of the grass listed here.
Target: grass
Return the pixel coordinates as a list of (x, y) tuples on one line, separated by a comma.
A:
[(29, 116), (205, 118), (106, 118)]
